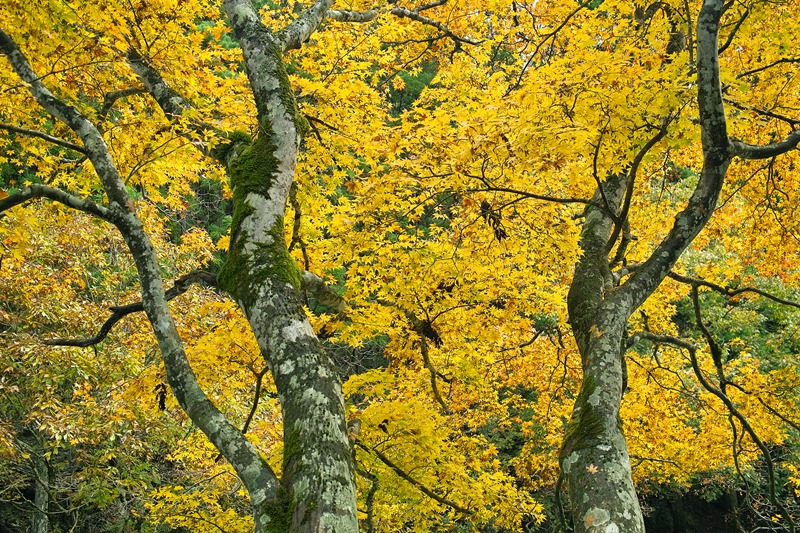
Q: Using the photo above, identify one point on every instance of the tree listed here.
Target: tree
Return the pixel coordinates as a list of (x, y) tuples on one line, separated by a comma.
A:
[(316, 491), (593, 90)]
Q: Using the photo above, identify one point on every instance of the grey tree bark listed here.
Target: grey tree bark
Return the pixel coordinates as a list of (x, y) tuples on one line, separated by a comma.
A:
[(594, 457)]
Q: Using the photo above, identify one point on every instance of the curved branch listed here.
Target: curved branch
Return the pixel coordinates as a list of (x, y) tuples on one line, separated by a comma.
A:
[(370, 500), (322, 292), (544, 40), (727, 291), (259, 479), (733, 32), (93, 142), (717, 155), (403, 474), (622, 218), (36, 190), (752, 151), (181, 285), (734, 412), (425, 330), (415, 16), (41, 135)]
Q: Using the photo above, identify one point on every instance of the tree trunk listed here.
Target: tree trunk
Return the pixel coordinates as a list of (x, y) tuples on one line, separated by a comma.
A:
[(594, 458), (41, 516), (318, 483)]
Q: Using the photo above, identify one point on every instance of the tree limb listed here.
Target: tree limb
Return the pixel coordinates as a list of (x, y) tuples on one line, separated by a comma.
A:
[(400, 12), (729, 292), (112, 97), (734, 412), (257, 476), (41, 135), (403, 474), (171, 103), (717, 155), (36, 190), (733, 32), (181, 285), (622, 218), (751, 151), (322, 292), (295, 34), (793, 123), (94, 145), (767, 66)]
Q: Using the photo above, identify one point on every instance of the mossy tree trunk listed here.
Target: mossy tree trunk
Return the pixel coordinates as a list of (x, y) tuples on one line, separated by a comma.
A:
[(318, 472), (594, 457)]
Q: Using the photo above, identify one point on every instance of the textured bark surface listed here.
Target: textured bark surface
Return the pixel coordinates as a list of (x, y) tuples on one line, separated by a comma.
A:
[(41, 515)]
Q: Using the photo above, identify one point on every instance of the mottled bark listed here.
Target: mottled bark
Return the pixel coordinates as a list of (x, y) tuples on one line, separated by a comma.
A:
[(594, 458)]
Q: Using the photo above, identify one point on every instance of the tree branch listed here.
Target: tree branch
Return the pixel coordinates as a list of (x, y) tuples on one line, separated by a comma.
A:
[(751, 151), (94, 145), (321, 292), (370, 500), (353, 16), (622, 218), (181, 285), (112, 97), (36, 190), (717, 155), (41, 135), (729, 292), (401, 12), (425, 490), (733, 32), (734, 412), (295, 34), (259, 479), (171, 103), (793, 123), (525, 194), (767, 66)]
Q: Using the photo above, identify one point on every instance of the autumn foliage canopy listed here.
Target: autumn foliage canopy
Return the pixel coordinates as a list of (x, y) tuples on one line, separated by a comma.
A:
[(449, 158)]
